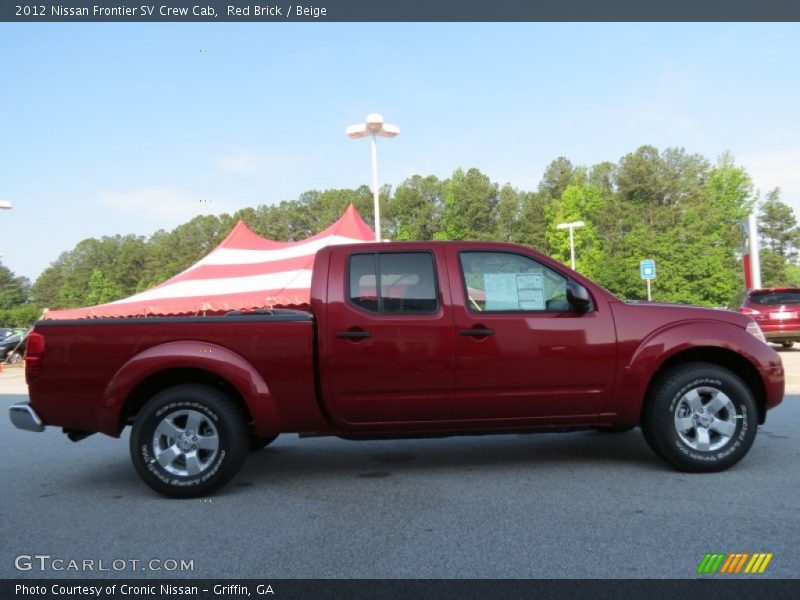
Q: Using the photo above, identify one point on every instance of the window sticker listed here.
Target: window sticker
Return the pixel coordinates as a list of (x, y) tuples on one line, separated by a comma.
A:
[(514, 291), (530, 291), (501, 291)]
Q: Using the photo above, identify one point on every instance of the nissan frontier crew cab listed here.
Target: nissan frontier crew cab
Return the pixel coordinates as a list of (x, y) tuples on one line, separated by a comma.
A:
[(404, 340)]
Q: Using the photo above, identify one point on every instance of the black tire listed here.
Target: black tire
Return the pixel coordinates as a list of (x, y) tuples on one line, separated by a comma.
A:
[(701, 448), (214, 416), (787, 345), (14, 358), (257, 443)]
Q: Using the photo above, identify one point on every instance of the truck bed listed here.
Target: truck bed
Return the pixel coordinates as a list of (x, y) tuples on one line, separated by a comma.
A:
[(91, 364)]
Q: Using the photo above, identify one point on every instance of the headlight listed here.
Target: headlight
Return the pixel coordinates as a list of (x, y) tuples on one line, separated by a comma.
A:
[(752, 327)]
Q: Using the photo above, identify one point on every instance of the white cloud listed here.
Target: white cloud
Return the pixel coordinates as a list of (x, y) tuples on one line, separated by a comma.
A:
[(161, 205), (241, 162)]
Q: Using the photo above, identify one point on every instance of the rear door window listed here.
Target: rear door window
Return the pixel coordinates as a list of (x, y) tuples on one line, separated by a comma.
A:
[(407, 282)]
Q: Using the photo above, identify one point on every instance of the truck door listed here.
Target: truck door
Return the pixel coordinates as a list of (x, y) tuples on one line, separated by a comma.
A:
[(521, 352), (390, 355)]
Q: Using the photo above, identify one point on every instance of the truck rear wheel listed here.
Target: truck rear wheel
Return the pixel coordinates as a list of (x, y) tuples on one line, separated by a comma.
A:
[(700, 418), (188, 440)]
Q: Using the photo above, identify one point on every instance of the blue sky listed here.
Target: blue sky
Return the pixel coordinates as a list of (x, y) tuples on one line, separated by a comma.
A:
[(116, 128)]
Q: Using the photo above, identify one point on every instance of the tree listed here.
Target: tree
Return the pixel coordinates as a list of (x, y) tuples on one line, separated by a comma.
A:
[(469, 207), (778, 226), (727, 201), (102, 289), (128, 264), (602, 176), (20, 315), (670, 205), (13, 289), (415, 210), (557, 176), (774, 270), (509, 208), (577, 203), (45, 291)]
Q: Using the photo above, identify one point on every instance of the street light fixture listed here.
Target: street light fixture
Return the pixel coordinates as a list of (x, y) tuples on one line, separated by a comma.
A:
[(373, 127), (571, 226)]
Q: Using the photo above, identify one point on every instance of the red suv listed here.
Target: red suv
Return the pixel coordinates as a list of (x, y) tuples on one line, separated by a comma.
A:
[(777, 311)]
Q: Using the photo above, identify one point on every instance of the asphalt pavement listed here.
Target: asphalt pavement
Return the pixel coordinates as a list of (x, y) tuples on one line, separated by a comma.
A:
[(519, 506)]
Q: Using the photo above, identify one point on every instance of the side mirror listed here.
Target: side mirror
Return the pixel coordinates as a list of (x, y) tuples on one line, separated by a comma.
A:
[(578, 297)]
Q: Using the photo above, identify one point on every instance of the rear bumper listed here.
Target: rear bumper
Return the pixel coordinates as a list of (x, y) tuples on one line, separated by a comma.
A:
[(24, 417), (781, 335)]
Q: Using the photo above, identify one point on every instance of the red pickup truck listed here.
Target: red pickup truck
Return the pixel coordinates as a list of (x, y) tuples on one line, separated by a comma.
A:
[(403, 340)]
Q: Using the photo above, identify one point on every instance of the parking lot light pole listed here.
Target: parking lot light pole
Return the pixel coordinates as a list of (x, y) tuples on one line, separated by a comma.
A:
[(755, 258), (373, 127), (571, 226)]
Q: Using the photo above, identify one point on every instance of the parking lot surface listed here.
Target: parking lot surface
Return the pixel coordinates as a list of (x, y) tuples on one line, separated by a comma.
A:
[(546, 505)]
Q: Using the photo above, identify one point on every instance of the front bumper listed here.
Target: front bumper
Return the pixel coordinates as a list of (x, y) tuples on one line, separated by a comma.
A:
[(24, 417)]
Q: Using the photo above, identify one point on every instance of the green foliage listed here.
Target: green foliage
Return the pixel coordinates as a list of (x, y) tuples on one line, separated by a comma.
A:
[(671, 206), (508, 212), (416, 209), (21, 315), (774, 272), (780, 241), (13, 289), (577, 203), (778, 226), (102, 289), (557, 176), (793, 275)]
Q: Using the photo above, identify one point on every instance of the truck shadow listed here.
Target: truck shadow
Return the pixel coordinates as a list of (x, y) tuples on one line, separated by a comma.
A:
[(298, 460), (292, 462)]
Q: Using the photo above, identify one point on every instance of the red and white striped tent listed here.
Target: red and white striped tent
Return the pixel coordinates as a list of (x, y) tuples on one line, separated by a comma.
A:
[(244, 272)]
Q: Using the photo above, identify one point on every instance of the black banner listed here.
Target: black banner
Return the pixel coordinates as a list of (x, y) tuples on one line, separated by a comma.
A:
[(398, 10), (377, 589)]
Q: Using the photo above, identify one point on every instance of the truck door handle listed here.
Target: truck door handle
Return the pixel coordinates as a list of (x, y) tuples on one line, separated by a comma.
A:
[(477, 332), (352, 335)]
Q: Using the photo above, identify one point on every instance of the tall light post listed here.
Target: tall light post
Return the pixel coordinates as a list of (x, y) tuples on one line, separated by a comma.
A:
[(755, 258), (373, 127), (571, 226)]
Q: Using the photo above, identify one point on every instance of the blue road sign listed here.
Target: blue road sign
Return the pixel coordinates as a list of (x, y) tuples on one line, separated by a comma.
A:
[(648, 268)]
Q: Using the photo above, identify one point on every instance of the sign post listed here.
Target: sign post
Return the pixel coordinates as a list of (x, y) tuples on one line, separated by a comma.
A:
[(648, 270)]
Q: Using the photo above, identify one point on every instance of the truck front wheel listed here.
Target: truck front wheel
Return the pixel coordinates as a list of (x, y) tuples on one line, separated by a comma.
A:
[(700, 418), (188, 440)]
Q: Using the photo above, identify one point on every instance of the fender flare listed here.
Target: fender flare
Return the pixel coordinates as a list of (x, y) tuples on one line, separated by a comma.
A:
[(664, 344), (205, 356)]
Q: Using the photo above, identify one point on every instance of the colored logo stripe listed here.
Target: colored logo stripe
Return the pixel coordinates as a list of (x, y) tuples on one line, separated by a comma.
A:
[(734, 563), (758, 563), (710, 563)]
